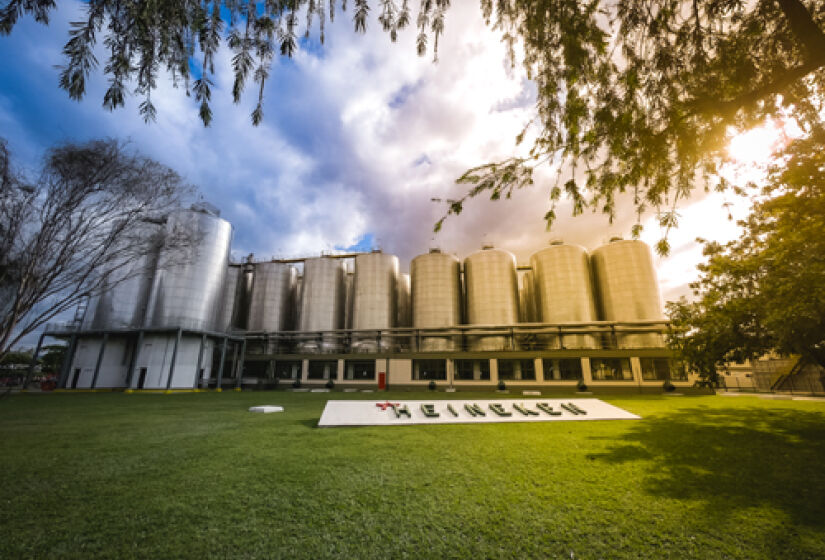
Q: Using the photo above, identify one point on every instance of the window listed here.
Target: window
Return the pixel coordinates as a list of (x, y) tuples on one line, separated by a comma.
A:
[(288, 369), (569, 369), (516, 370), (655, 369), (610, 369), (359, 370), (425, 370), (322, 369), (472, 370)]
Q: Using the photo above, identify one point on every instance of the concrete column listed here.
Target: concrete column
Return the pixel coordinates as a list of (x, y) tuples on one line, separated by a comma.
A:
[(197, 382), (304, 374), (130, 374), (494, 371), (220, 366), (339, 373), (636, 369), (538, 365), (239, 374), (586, 376)]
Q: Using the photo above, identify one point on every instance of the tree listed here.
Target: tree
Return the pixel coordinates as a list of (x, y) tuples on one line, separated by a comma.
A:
[(75, 228), (766, 291), (636, 97)]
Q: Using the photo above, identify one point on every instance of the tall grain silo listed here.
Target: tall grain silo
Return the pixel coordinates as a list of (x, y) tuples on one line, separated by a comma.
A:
[(563, 290), (322, 303), (492, 295), (374, 303), (627, 288), (435, 298), (270, 307), (189, 284)]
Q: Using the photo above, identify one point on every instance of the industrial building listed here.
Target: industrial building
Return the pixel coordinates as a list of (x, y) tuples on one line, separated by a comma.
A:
[(198, 321)]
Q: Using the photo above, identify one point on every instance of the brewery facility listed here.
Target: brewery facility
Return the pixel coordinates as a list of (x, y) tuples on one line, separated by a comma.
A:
[(192, 319)]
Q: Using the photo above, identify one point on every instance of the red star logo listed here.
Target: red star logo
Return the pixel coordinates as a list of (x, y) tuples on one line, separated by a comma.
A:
[(386, 405)]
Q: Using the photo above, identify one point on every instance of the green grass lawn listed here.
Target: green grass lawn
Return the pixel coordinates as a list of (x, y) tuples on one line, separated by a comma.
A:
[(196, 475)]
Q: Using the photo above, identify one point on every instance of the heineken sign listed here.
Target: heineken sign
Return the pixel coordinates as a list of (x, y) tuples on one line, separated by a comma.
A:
[(399, 413)]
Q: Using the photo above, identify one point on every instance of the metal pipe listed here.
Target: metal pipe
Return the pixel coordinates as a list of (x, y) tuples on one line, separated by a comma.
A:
[(240, 365), (223, 359), (200, 362)]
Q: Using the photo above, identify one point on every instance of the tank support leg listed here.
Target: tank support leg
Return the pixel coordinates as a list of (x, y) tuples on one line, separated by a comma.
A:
[(134, 361), (200, 363), (100, 359), (220, 367), (66, 366), (174, 359), (239, 374)]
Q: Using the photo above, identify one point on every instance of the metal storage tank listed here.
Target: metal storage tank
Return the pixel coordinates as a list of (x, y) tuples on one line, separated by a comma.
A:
[(563, 290), (527, 303), (627, 288), (270, 307), (231, 292), (435, 297), (492, 295), (403, 292), (188, 288), (322, 302), (124, 298), (374, 304)]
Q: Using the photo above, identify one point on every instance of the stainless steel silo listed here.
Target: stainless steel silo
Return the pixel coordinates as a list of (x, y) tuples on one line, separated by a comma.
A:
[(527, 303), (563, 290), (124, 298), (403, 297), (187, 291), (374, 303), (322, 303), (435, 298), (270, 307), (231, 291), (627, 288), (492, 295)]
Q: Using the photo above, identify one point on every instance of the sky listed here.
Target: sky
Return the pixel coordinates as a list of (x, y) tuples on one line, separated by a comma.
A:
[(358, 136)]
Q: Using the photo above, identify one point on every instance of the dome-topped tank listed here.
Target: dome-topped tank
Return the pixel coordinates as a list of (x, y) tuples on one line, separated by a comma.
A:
[(189, 284), (627, 288), (374, 303), (322, 302), (492, 294), (436, 297), (563, 291), (270, 307)]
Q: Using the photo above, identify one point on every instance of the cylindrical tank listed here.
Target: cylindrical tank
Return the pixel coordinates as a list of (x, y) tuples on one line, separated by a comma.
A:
[(124, 297), (403, 294), (563, 291), (492, 295), (188, 288), (229, 307), (627, 288), (436, 297), (527, 303), (322, 303), (374, 304), (270, 307)]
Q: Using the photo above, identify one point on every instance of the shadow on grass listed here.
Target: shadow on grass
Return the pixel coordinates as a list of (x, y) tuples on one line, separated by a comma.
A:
[(733, 459)]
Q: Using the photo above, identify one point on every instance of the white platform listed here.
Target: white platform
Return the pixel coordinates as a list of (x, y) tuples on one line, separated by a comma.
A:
[(266, 409), (379, 413)]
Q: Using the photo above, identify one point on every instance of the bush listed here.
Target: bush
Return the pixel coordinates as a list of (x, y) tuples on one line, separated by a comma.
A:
[(668, 386), (502, 386), (431, 386), (582, 386), (296, 384), (330, 384)]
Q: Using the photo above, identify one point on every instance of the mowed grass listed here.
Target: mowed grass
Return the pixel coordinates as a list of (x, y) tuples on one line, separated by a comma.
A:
[(196, 475)]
